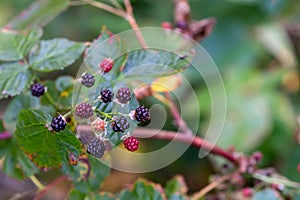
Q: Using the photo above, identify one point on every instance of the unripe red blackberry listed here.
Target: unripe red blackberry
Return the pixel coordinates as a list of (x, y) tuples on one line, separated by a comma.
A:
[(131, 143), (37, 89), (247, 192), (166, 25), (106, 95), (88, 79), (142, 114), (106, 65), (120, 124), (84, 110), (96, 147), (98, 125), (123, 95), (58, 123)]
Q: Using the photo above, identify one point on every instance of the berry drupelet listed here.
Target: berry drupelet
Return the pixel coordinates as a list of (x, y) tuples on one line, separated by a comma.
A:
[(37, 89), (84, 110), (123, 95), (142, 114), (120, 124), (131, 143), (96, 148), (58, 123), (88, 80), (106, 95), (106, 65)]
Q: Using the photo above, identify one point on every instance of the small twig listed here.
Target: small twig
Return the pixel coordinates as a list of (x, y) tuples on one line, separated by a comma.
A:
[(178, 119), (49, 187), (5, 135), (211, 186), (131, 20), (37, 183), (269, 179), (106, 7)]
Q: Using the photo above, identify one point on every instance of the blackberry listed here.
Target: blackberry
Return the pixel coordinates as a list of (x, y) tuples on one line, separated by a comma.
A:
[(120, 124), (106, 65), (181, 25), (84, 110), (58, 123), (88, 79), (96, 147), (106, 95), (37, 89), (123, 95), (142, 114), (131, 143)]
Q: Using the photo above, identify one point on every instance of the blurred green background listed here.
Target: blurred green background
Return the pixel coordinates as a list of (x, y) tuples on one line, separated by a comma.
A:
[(255, 45)]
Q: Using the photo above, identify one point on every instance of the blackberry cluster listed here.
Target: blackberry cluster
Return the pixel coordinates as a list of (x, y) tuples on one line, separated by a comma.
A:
[(106, 95), (84, 110), (120, 124), (37, 89), (96, 148), (123, 95), (131, 143), (106, 65), (58, 123), (88, 80), (142, 114)]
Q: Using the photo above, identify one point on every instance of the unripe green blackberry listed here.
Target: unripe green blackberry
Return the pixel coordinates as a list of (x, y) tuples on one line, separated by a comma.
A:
[(123, 95), (96, 147), (37, 89), (106, 95), (142, 114), (120, 124), (88, 80), (106, 65), (58, 123), (131, 143), (84, 110)]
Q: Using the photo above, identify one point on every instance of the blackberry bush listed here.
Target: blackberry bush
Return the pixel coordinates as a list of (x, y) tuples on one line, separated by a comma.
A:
[(37, 89)]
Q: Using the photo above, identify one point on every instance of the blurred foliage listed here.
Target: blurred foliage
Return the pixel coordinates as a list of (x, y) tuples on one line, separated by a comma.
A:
[(252, 50)]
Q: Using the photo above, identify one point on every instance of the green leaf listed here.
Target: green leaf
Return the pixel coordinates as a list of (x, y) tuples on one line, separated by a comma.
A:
[(176, 185), (16, 46), (88, 174), (14, 78), (38, 13), (266, 194), (64, 83), (55, 54), (143, 190), (48, 149), (16, 164), (77, 195), (107, 45), (153, 63)]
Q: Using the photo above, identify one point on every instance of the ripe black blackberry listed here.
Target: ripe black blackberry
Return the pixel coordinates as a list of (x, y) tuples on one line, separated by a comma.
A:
[(142, 114), (120, 124), (37, 89), (123, 95), (106, 95), (58, 123), (96, 147), (88, 79), (84, 110)]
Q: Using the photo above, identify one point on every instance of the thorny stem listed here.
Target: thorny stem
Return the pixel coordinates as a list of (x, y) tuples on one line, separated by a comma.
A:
[(211, 186), (37, 183), (49, 187)]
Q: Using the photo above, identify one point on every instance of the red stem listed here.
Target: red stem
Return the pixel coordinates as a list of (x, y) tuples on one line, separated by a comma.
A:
[(49, 187)]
